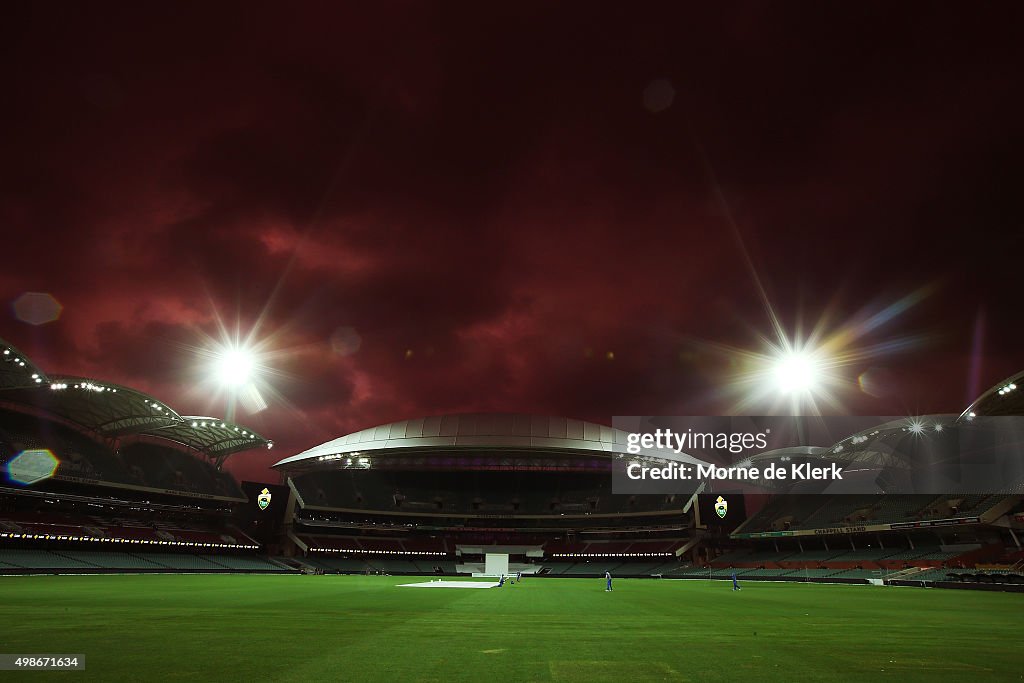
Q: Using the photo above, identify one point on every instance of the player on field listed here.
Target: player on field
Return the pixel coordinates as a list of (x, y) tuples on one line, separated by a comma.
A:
[(735, 584), (608, 581)]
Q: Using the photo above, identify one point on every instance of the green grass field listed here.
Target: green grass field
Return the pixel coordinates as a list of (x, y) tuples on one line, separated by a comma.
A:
[(348, 628)]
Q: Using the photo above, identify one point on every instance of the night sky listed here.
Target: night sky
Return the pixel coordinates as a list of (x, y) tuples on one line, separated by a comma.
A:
[(529, 207)]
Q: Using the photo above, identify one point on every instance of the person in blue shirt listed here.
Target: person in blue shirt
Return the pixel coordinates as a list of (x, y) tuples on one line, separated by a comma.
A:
[(735, 584), (608, 581)]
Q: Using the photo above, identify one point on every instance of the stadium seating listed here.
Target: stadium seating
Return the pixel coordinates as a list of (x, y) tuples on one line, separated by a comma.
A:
[(816, 556), (782, 513), (752, 558), (166, 468), (590, 568), (446, 493), (866, 554), (88, 560), (429, 566), (113, 560), (859, 574), (341, 564), (763, 572), (182, 561), (841, 511), (242, 562), (733, 556), (40, 559), (393, 566), (154, 530), (815, 512)]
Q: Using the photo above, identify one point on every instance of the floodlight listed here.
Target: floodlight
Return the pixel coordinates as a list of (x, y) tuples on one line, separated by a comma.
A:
[(796, 372), (235, 367)]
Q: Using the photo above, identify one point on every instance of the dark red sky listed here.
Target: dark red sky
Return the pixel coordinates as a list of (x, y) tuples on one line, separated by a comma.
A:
[(501, 191)]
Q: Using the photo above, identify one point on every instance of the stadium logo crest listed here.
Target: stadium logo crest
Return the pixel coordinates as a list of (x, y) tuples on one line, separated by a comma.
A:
[(264, 499), (721, 507)]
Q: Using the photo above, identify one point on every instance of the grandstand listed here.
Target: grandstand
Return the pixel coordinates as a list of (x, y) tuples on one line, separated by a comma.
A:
[(139, 487), (432, 495), (478, 480), (136, 486), (902, 539)]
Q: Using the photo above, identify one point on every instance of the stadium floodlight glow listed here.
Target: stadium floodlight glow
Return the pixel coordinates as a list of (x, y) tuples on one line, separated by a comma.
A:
[(804, 370), (796, 371), (916, 427), (235, 366), (793, 375)]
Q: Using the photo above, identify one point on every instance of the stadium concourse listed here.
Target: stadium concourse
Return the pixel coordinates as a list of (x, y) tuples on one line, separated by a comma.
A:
[(103, 478)]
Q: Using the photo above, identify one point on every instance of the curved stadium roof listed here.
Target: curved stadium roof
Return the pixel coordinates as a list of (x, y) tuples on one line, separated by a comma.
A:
[(16, 370), (478, 432), (218, 438), (105, 408), (112, 410), (886, 444), (1005, 398)]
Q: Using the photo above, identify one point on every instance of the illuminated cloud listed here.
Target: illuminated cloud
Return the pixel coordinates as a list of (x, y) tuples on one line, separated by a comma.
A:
[(481, 214)]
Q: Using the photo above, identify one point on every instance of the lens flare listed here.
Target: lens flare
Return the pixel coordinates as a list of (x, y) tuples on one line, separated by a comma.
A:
[(32, 466), (812, 373)]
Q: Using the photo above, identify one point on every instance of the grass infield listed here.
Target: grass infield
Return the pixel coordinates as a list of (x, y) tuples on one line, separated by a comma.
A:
[(357, 628)]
